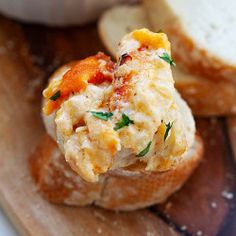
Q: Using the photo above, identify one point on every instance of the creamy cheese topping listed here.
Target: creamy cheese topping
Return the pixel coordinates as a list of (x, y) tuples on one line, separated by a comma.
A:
[(148, 121)]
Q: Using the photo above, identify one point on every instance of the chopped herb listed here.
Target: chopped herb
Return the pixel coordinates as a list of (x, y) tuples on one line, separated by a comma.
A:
[(124, 58), (125, 121), (102, 115), (55, 96), (145, 150), (160, 31), (168, 128), (166, 57)]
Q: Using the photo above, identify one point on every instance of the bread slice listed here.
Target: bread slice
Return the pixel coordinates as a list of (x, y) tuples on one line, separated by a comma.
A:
[(202, 34), (204, 96), (122, 189)]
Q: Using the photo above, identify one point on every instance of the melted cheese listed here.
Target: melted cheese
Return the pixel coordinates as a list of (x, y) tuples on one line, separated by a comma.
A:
[(143, 89)]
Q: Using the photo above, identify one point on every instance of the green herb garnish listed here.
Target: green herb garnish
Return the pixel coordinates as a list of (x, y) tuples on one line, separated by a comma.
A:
[(55, 96), (160, 31), (168, 128), (166, 57), (102, 115), (125, 121), (145, 150)]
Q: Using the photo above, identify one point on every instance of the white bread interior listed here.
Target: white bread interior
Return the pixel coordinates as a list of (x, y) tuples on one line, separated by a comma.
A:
[(202, 33)]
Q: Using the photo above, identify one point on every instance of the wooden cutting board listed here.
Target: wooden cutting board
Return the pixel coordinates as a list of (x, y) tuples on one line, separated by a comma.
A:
[(28, 54)]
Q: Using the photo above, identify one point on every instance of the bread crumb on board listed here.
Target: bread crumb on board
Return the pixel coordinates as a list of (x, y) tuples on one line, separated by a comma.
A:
[(150, 234), (168, 206), (227, 195), (183, 227), (99, 230), (213, 205), (199, 233)]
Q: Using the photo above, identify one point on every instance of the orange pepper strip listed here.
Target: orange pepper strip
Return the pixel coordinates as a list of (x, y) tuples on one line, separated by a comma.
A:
[(77, 78)]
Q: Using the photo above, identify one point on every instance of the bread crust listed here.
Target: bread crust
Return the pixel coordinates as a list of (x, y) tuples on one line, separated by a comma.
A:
[(206, 97), (56, 180), (203, 64), (122, 189)]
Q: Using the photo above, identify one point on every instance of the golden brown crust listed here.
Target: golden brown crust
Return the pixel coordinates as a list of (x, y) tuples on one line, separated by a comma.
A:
[(144, 188), (54, 177), (206, 97), (128, 189)]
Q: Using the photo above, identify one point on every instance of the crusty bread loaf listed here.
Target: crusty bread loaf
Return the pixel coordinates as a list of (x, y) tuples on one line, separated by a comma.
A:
[(122, 189), (204, 96), (202, 34)]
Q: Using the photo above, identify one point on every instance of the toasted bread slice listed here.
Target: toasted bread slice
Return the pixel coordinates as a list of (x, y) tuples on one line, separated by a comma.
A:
[(204, 96), (202, 34), (122, 189)]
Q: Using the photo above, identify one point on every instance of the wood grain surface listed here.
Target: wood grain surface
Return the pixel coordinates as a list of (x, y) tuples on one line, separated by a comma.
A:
[(231, 125), (28, 55)]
